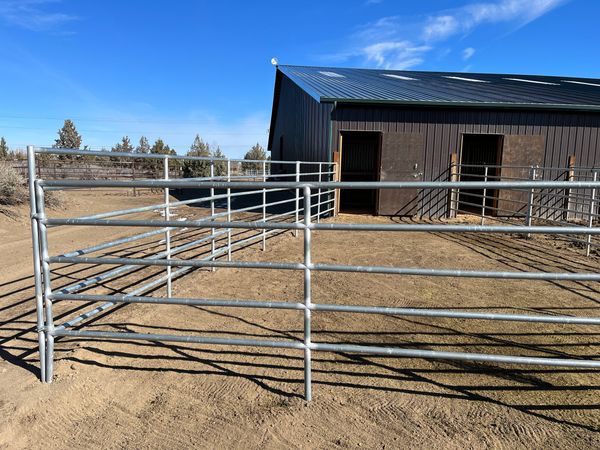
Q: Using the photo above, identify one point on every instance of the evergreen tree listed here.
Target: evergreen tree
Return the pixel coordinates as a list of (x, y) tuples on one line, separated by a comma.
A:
[(143, 146), (220, 166), (123, 146), (68, 137), (197, 168), (160, 148), (257, 152), (3, 148)]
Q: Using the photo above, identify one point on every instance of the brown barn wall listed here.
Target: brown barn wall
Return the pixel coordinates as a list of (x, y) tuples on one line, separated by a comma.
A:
[(564, 134)]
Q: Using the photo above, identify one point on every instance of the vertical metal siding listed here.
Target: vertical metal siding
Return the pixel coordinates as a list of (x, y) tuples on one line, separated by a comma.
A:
[(303, 123), (565, 133)]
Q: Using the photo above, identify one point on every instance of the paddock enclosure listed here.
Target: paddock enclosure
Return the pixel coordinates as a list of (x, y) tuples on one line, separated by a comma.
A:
[(222, 216)]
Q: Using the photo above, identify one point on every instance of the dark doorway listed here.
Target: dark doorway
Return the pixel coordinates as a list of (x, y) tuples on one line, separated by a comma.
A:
[(478, 151), (360, 162)]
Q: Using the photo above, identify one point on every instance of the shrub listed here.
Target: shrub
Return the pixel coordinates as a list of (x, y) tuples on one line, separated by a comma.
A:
[(12, 186), (13, 189)]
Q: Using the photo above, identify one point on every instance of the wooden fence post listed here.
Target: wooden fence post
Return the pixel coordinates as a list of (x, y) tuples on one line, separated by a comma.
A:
[(453, 198), (570, 177)]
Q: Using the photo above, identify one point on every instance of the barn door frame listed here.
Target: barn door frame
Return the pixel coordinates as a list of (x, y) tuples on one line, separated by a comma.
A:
[(338, 157), (498, 163)]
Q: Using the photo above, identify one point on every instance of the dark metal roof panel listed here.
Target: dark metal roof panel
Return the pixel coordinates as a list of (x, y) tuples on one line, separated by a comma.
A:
[(435, 88)]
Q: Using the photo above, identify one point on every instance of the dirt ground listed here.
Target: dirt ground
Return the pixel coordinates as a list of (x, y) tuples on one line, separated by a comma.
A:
[(134, 394)]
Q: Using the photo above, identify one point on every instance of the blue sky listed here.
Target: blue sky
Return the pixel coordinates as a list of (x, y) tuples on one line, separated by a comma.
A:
[(174, 69)]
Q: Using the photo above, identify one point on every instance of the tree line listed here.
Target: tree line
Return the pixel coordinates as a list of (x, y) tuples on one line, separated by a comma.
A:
[(69, 138)]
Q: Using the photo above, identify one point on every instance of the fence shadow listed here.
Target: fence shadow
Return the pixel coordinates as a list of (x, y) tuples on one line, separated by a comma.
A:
[(378, 373)]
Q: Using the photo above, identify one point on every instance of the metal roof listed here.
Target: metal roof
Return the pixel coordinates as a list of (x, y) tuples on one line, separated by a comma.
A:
[(329, 84)]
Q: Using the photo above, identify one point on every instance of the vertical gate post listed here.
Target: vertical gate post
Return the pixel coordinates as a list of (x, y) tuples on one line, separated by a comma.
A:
[(319, 196), (212, 213), (264, 205), (133, 176), (529, 215), (591, 215), (168, 231), (297, 197), (485, 179), (307, 296), (37, 271), (43, 235), (228, 209)]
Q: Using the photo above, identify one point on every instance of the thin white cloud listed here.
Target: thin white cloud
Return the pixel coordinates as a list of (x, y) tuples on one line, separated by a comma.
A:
[(395, 55), (467, 53), (400, 42), (464, 19), (440, 27), (33, 15)]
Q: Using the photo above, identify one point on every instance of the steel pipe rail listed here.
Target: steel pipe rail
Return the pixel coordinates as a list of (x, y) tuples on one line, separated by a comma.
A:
[(463, 228), (361, 309), (336, 348), (553, 276), (183, 184)]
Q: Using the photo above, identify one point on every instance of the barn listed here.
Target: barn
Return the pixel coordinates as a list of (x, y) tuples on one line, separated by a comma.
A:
[(393, 125)]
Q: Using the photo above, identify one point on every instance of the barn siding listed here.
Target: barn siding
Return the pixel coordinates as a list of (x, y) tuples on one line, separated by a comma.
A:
[(564, 133), (303, 123)]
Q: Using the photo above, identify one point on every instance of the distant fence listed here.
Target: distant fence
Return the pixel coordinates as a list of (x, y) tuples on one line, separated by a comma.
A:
[(98, 169)]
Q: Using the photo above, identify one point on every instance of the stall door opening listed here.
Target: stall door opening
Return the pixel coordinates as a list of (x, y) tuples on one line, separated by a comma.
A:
[(479, 151), (359, 162)]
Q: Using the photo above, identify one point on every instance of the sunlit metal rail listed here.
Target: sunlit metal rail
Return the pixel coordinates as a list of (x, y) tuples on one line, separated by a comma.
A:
[(312, 200)]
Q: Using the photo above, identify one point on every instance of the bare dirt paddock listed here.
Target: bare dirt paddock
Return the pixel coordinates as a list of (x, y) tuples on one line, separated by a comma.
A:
[(125, 394)]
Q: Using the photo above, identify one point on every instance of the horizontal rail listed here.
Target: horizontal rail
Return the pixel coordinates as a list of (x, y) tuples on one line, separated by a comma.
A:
[(180, 301), (424, 312), (461, 228), (335, 348), (460, 356), (175, 338), (183, 184), (553, 276), (125, 240)]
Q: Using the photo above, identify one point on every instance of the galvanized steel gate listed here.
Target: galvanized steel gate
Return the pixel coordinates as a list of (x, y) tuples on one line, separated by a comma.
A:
[(304, 216)]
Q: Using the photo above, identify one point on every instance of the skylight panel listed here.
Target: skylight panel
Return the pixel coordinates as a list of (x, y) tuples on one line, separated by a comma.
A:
[(581, 82), (398, 77), (523, 80), (473, 80), (331, 74)]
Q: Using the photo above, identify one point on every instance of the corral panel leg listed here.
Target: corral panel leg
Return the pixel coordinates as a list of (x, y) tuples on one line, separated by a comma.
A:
[(307, 297), (37, 271), (43, 239)]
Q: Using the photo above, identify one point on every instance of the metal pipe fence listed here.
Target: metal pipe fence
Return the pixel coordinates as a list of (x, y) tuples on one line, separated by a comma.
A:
[(308, 202), (563, 206)]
